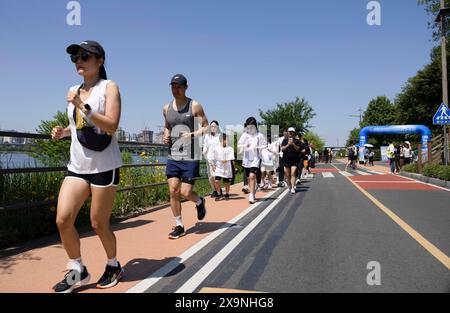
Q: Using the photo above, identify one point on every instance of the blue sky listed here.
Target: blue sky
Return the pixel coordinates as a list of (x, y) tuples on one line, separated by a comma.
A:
[(239, 56)]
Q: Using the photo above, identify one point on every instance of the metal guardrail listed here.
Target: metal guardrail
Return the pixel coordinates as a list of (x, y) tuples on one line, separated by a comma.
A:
[(48, 137), (29, 205), (63, 169)]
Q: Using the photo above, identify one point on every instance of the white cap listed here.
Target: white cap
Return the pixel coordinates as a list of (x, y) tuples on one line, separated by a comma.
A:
[(291, 129)]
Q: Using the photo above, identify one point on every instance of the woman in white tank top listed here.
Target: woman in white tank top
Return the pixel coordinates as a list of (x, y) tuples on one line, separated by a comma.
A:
[(94, 113)]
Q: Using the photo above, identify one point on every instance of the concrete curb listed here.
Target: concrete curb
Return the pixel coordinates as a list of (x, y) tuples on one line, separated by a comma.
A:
[(425, 179)]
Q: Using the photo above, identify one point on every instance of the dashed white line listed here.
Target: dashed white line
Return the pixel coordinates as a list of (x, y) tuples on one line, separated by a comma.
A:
[(346, 174), (327, 175)]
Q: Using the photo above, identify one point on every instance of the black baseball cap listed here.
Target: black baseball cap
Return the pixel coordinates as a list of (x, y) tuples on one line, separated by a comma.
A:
[(179, 80), (88, 45)]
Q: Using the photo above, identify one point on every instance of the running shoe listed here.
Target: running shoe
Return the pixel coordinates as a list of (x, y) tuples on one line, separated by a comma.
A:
[(72, 279), (214, 194), (227, 196), (245, 190), (201, 210), (251, 198), (177, 232), (293, 190), (110, 277)]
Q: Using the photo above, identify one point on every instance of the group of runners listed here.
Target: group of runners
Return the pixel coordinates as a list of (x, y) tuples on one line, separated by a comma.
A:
[(94, 109)]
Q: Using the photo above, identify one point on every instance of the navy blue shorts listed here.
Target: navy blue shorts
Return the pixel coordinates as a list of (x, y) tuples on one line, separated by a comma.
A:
[(186, 171)]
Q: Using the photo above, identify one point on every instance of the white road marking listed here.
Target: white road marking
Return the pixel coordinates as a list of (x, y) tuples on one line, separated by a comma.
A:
[(376, 173), (346, 174), (363, 173), (384, 182), (169, 267), (209, 267), (327, 175)]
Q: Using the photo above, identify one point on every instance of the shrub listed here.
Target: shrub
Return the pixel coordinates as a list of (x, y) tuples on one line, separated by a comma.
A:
[(437, 171), (411, 168)]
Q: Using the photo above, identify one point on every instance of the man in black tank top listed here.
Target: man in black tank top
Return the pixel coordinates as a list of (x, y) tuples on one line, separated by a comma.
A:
[(181, 135)]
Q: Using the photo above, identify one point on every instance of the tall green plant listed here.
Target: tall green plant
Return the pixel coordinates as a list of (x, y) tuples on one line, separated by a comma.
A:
[(52, 153)]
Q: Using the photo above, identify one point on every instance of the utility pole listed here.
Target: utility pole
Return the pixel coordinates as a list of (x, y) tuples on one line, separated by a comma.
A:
[(360, 116), (442, 18)]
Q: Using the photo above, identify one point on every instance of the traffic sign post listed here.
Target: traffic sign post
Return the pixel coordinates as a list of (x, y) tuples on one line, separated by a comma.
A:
[(442, 117)]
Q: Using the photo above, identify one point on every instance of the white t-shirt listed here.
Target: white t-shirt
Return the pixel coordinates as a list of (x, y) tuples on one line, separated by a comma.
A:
[(219, 154), (252, 146), (407, 152), (267, 158), (279, 142), (209, 143), (86, 161)]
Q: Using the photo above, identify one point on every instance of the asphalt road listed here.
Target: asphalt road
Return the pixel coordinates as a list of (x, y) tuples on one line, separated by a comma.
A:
[(323, 238)]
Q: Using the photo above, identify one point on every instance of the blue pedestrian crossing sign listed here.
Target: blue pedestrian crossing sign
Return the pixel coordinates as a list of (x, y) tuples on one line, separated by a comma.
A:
[(442, 116)]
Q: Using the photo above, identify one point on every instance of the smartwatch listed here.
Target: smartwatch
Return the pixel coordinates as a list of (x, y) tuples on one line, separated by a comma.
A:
[(87, 109)]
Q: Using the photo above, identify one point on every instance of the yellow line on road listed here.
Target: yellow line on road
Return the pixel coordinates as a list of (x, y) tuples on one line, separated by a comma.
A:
[(432, 249)]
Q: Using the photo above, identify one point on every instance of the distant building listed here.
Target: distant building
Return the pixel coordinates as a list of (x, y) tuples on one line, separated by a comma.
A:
[(121, 134), (146, 136), (13, 140), (159, 138)]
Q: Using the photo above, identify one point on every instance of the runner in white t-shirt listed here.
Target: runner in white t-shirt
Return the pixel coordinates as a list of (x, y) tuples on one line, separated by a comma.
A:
[(94, 113), (220, 159), (211, 140), (251, 142)]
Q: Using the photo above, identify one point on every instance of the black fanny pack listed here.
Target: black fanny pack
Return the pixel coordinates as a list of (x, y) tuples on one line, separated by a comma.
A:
[(87, 136)]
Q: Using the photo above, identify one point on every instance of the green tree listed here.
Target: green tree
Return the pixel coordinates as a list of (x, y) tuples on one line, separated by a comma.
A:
[(380, 111), (314, 139), (432, 8), (353, 137), (422, 95), (297, 113), (52, 153)]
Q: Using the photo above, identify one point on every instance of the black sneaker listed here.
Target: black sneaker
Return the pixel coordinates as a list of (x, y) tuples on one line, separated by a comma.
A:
[(214, 194), (227, 196), (110, 277), (71, 280), (178, 232), (201, 210)]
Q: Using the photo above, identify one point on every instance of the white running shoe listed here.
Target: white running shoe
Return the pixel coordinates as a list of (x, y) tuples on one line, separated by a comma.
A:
[(293, 190), (251, 198)]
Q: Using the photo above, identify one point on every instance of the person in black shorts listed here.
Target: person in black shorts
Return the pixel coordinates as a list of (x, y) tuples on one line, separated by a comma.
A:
[(94, 113), (291, 148)]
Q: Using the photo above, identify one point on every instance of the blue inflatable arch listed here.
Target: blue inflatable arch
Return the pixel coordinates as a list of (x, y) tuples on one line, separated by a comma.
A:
[(396, 130)]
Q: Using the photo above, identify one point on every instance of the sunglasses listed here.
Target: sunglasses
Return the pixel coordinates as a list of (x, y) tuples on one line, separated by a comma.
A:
[(83, 55)]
